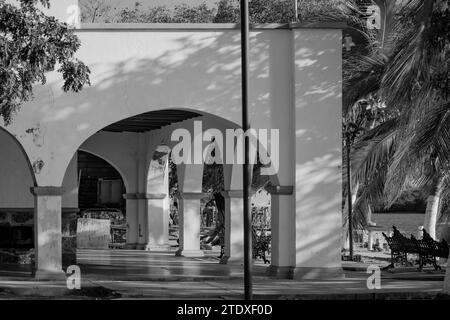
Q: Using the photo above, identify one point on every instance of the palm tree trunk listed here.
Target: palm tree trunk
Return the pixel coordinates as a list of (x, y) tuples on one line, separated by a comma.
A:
[(355, 190), (432, 209), (369, 213)]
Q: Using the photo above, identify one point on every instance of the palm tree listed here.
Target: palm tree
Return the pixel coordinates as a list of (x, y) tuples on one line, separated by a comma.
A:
[(385, 164), (385, 69), (409, 74), (363, 108)]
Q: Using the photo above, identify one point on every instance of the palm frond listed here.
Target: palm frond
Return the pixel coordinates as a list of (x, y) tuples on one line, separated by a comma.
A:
[(373, 150), (427, 139)]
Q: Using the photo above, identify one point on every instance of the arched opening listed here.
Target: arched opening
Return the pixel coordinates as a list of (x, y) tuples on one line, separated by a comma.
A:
[(16, 204), (213, 209), (111, 168), (102, 217)]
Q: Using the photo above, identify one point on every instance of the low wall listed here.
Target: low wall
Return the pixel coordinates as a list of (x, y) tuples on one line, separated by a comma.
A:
[(93, 234)]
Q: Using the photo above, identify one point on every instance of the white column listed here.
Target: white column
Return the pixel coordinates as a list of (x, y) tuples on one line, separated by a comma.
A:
[(370, 241), (189, 224), (47, 226), (132, 220), (157, 198), (157, 222), (234, 227), (282, 259)]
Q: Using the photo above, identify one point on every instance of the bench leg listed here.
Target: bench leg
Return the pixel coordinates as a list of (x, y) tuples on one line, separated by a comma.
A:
[(435, 265)]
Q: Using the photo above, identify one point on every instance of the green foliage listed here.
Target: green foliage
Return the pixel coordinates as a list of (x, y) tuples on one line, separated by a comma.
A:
[(213, 178), (269, 11), (159, 14), (163, 14), (196, 14), (97, 11), (319, 9), (32, 44), (226, 11)]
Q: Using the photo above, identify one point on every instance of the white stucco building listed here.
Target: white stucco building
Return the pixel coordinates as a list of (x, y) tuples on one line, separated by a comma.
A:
[(148, 80)]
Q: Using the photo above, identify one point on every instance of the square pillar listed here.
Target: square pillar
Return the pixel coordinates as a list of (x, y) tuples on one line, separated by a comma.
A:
[(189, 224), (234, 227), (157, 222), (132, 220), (282, 261), (48, 235)]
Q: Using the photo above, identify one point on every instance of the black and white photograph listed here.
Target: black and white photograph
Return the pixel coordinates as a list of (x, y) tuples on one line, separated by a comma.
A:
[(249, 151)]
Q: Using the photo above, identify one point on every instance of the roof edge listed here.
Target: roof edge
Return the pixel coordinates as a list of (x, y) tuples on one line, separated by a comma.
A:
[(205, 26)]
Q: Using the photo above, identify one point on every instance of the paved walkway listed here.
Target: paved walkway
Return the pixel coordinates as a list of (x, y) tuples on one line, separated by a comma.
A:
[(143, 275)]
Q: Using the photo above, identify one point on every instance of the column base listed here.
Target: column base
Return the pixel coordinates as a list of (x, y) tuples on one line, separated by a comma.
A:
[(231, 260), (190, 253), (49, 275), (280, 272), (141, 246), (317, 273), (157, 248), (130, 246)]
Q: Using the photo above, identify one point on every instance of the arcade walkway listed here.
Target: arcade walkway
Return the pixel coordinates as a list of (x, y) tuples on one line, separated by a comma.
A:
[(137, 265), (144, 275)]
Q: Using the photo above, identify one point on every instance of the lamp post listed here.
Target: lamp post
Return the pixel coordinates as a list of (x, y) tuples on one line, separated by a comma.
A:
[(248, 290)]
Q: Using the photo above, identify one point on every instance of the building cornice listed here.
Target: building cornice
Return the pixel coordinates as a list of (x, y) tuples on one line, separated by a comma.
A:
[(86, 27)]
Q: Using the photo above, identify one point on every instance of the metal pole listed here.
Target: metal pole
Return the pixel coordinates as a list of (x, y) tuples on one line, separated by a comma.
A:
[(296, 10), (247, 169), (349, 198)]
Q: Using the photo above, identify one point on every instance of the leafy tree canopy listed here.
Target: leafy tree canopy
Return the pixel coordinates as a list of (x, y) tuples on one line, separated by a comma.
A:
[(226, 11), (32, 44)]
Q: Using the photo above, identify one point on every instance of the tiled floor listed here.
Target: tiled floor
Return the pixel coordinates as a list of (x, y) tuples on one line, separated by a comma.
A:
[(141, 274)]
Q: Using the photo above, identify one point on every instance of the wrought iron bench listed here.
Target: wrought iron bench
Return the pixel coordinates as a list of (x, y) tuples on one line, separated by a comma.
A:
[(441, 249), (427, 249), (261, 244), (430, 250), (398, 253), (400, 247)]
